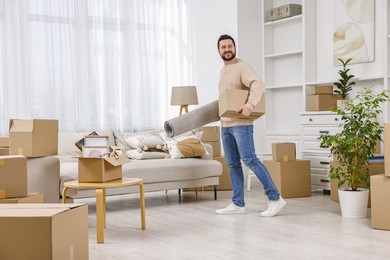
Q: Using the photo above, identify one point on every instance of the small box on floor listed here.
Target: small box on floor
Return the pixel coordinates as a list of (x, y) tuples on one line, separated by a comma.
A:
[(13, 176), (291, 178), (44, 231), (380, 206), (231, 99)]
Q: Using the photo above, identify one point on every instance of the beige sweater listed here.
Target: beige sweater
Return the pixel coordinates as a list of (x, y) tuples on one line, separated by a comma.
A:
[(240, 75)]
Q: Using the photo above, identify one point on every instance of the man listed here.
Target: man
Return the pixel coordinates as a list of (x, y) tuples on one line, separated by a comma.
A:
[(237, 134)]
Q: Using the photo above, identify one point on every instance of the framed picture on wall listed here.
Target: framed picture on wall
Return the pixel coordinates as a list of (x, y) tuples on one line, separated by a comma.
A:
[(354, 31)]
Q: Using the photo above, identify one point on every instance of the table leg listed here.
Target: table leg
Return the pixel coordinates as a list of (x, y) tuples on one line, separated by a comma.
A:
[(100, 211), (64, 190), (142, 205), (104, 207)]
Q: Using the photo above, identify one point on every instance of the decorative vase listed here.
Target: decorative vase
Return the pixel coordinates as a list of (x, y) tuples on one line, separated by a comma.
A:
[(343, 104), (353, 203)]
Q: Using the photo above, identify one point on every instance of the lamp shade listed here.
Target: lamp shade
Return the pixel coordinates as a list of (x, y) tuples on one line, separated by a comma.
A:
[(184, 95)]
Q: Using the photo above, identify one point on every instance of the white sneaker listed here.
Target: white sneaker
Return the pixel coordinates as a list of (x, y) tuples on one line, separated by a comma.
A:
[(273, 207), (231, 209)]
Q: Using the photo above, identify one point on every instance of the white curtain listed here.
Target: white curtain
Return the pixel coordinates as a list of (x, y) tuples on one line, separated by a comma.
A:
[(93, 64)]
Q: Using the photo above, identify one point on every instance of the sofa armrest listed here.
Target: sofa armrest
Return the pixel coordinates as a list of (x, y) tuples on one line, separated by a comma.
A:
[(43, 176), (209, 156)]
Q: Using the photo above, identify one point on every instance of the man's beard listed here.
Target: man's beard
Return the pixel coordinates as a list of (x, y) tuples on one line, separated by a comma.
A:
[(233, 55)]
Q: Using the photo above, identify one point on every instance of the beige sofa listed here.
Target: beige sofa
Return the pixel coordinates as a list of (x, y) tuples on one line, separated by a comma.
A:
[(157, 174)]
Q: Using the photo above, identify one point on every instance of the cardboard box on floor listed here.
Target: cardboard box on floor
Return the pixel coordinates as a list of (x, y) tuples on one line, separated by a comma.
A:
[(33, 138), (13, 176), (291, 178), (231, 99), (283, 152), (44, 231), (31, 198), (210, 133), (323, 102), (380, 206), (376, 168)]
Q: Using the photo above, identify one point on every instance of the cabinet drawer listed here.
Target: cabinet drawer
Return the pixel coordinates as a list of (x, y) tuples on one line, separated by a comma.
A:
[(319, 162), (314, 145), (320, 180), (320, 119), (317, 131)]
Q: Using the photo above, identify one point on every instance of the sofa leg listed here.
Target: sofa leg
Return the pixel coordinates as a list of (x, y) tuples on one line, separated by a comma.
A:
[(179, 191), (215, 192)]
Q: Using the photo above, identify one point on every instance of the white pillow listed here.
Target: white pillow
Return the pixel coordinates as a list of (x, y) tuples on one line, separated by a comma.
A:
[(140, 141), (173, 149), (137, 155)]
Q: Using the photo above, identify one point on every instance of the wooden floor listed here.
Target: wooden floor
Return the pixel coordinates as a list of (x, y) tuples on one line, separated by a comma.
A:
[(186, 228)]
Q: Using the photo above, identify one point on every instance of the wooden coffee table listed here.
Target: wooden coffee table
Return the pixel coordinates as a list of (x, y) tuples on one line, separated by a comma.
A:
[(101, 199)]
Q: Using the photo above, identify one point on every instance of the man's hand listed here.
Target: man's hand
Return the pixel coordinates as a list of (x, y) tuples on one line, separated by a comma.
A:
[(244, 111)]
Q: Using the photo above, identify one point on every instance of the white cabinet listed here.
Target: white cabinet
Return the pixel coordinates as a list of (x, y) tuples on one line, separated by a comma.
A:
[(313, 125), (288, 62)]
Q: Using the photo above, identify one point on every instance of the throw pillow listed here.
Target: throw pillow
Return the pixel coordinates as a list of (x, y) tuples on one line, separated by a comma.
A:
[(191, 147), (144, 142), (141, 155)]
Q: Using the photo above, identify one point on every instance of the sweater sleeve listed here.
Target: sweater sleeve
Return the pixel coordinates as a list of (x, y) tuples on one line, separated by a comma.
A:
[(250, 79)]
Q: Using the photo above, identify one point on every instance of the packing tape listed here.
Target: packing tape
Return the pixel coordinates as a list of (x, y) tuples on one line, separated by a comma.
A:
[(1, 161), (2, 194), (285, 158), (20, 151)]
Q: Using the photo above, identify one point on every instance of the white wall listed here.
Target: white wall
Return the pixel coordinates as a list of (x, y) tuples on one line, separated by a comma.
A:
[(212, 19)]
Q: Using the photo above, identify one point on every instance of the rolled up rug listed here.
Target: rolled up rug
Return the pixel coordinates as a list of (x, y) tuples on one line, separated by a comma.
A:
[(199, 117)]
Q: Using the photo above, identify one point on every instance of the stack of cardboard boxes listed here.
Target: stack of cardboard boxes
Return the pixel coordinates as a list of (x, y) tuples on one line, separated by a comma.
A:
[(36, 231), (322, 98), (380, 190), (291, 176)]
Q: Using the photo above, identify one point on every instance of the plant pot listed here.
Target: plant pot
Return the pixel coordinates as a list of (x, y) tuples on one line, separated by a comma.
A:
[(343, 104), (353, 203)]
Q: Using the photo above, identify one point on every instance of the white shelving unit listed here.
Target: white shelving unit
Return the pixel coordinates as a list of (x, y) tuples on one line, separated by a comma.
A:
[(286, 68)]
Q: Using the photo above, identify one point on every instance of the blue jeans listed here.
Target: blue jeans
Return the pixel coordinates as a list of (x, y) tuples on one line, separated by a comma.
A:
[(238, 144)]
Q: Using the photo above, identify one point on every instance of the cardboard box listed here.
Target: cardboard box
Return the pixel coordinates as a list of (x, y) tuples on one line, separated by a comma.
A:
[(283, 152), (33, 138), (284, 12), (13, 176), (376, 168), (4, 141), (44, 231), (210, 133), (322, 102), (100, 169), (322, 89), (216, 148), (231, 99), (291, 178), (4, 151), (380, 206), (387, 149), (31, 198)]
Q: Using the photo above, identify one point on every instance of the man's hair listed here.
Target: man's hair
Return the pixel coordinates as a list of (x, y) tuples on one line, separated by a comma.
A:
[(225, 37)]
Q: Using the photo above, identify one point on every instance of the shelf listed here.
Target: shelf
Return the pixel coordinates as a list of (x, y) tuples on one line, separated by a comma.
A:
[(283, 87), (368, 78), (285, 20), (283, 54)]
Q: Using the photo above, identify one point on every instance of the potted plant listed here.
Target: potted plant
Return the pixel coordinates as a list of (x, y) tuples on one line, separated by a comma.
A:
[(352, 147), (344, 84)]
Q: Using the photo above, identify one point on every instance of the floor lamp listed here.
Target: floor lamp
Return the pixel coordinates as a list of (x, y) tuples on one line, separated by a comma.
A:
[(183, 96)]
